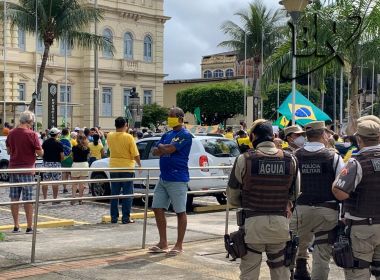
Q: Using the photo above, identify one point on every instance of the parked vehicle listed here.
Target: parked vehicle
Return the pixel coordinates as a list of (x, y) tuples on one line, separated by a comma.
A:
[(205, 151)]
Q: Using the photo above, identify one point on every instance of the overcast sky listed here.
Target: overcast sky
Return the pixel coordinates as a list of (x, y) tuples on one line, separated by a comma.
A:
[(194, 31)]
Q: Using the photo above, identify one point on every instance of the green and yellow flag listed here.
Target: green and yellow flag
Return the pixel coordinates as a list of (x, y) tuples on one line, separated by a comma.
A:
[(281, 122), (197, 115)]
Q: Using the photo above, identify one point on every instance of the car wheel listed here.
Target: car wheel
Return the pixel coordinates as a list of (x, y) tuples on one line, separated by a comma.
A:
[(4, 176), (221, 198), (101, 188)]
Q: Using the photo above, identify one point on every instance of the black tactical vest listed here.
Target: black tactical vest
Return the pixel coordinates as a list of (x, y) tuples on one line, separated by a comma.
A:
[(317, 176), (267, 182), (364, 202)]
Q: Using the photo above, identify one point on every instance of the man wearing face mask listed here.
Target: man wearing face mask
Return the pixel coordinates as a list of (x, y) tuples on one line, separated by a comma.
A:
[(263, 181), (173, 149), (316, 213), (294, 135), (359, 186)]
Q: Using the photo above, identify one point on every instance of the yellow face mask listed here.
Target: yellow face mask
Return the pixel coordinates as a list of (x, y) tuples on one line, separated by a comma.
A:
[(173, 122)]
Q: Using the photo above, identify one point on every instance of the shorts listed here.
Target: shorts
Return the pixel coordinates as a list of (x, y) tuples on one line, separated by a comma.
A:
[(167, 192), (27, 191), (52, 176), (77, 174)]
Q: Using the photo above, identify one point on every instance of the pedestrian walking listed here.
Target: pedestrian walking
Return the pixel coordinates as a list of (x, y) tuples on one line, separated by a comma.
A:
[(173, 149), (80, 160), (67, 161), (358, 185), (123, 154), (52, 158), (264, 182), (22, 146), (316, 213)]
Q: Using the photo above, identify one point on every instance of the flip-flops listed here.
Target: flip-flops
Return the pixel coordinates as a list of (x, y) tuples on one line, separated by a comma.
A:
[(156, 250), (174, 252)]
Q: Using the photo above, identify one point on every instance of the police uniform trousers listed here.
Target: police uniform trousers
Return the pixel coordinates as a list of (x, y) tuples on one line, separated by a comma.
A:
[(266, 234), (314, 223), (365, 240)]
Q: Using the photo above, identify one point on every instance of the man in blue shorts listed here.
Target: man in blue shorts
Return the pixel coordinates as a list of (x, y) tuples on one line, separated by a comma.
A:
[(173, 149)]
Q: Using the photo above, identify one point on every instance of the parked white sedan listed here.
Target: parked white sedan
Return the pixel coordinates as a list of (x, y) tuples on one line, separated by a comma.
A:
[(205, 151)]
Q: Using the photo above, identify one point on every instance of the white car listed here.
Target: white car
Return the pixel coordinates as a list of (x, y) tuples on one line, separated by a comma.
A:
[(205, 151)]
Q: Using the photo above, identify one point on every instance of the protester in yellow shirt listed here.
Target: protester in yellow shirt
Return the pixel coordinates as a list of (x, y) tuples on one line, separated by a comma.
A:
[(243, 141), (229, 133), (123, 153), (73, 139), (96, 149)]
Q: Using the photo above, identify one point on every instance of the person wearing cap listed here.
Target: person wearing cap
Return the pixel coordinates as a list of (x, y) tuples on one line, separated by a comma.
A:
[(263, 182), (358, 185), (294, 135), (316, 212), (52, 158)]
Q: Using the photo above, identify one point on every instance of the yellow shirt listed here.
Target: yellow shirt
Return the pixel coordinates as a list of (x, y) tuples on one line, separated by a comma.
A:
[(73, 142), (122, 148), (229, 135), (245, 141), (96, 151)]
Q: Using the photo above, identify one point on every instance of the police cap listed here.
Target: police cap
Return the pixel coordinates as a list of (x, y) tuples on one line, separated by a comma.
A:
[(293, 129), (368, 128)]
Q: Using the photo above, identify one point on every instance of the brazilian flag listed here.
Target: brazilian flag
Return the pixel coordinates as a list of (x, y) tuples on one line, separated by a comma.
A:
[(305, 111), (281, 122), (197, 115)]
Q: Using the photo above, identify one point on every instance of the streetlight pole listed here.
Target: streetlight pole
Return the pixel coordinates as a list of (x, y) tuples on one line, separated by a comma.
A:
[(294, 8), (245, 76), (5, 59), (66, 90), (373, 85), (96, 76), (341, 98), (278, 97)]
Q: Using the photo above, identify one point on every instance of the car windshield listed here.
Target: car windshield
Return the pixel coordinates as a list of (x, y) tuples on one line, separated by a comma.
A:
[(221, 147)]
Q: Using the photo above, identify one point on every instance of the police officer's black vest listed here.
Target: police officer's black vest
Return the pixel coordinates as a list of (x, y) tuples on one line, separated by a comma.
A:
[(364, 202), (317, 176), (267, 182)]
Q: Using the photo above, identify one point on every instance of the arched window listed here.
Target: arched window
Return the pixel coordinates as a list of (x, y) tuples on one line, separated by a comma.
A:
[(218, 73), (207, 74), (128, 45), (107, 33), (21, 38), (229, 73), (148, 48)]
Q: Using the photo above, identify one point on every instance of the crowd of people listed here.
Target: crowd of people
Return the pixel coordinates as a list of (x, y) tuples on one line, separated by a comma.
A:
[(286, 184)]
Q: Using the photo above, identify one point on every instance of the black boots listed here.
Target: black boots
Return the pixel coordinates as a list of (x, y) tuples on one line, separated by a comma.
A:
[(301, 270)]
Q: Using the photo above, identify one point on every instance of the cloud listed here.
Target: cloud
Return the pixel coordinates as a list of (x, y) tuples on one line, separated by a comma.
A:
[(194, 31)]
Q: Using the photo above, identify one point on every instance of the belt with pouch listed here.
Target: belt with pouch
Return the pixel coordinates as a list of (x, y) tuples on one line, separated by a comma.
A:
[(365, 222)]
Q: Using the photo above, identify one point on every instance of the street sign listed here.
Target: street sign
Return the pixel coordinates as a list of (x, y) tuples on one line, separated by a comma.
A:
[(52, 105)]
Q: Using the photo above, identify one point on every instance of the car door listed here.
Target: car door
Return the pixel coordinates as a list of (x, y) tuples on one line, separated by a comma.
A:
[(152, 161), (145, 148)]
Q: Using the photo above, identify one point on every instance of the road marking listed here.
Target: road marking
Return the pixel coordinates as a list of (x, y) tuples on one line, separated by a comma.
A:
[(48, 217), (51, 224), (210, 208), (150, 214)]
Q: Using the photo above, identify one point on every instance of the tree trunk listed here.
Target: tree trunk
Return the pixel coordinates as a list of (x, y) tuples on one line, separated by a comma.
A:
[(42, 68), (354, 101)]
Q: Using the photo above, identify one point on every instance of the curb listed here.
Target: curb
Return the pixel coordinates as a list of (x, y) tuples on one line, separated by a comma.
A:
[(135, 216), (51, 224), (210, 208)]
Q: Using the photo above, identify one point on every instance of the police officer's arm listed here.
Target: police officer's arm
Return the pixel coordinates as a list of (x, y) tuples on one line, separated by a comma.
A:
[(348, 179), (235, 182), (295, 188)]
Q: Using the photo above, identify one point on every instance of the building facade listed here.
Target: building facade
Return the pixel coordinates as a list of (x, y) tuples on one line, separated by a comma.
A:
[(136, 29)]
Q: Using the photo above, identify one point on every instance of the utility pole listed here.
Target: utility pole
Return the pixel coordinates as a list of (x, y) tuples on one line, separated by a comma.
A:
[(96, 76)]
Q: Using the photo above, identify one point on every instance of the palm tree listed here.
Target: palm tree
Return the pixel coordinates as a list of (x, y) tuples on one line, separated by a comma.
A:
[(363, 46), (262, 26), (61, 20)]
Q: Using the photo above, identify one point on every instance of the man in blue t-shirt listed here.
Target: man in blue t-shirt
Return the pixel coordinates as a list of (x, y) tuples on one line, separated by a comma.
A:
[(173, 149)]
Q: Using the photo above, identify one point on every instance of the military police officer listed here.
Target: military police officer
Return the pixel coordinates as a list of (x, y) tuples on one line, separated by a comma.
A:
[(359, 186), (294, 135), (316, 212), (262, 182)]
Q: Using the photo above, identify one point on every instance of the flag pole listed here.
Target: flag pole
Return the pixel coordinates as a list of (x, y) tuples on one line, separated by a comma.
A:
[(245, 76), (278, 96), (5, 59)]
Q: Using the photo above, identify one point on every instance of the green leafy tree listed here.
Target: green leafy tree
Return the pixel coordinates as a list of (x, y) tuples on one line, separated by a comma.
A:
[(218, 102), (154, 115), (270, 105), (57, 20)]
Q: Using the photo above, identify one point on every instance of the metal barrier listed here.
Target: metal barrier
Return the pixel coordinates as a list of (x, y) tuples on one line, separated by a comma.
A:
[(38, 183)]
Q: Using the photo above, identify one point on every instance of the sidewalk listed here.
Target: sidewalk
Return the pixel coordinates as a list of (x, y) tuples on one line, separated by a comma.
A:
[(106, 251)]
